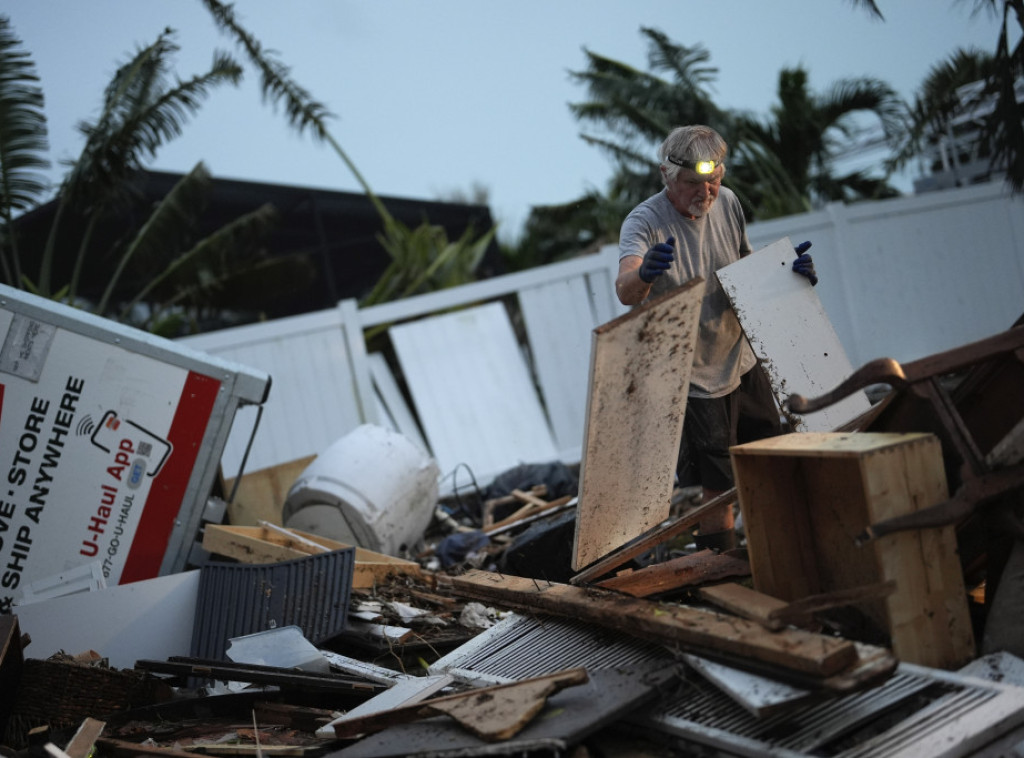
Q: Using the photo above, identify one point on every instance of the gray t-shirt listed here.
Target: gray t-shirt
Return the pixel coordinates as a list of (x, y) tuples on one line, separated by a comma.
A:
[(703, 246)]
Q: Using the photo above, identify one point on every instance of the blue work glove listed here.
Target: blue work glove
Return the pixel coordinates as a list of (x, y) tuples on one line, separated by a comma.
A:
[(657, 260), (804, 264)]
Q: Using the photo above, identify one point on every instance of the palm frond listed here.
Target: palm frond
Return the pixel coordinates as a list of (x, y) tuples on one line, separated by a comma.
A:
[(687, 64), (164, 232), (249, 288), (198, 276), (302, 110), (140, 115), (23, 144)]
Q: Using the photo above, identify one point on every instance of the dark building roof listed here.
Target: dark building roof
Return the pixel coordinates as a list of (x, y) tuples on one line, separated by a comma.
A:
[(338, 231)]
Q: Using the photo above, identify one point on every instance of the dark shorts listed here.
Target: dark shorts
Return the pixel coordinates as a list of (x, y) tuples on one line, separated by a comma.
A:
[(712, 426)]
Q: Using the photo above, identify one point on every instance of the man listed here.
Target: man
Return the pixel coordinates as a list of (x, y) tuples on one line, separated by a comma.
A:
[(693, 227)]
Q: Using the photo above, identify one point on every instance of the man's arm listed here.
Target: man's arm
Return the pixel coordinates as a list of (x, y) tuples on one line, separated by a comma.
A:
[(629, 287)]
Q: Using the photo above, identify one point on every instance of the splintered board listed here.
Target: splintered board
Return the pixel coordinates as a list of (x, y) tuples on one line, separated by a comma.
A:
[(791, 334), (639, 378)]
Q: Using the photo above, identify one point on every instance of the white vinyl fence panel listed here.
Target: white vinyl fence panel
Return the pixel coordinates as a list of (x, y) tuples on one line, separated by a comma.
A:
[(909, 277), (902, 278)]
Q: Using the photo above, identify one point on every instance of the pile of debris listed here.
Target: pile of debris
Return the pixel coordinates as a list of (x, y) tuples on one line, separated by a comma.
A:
[(849, 624)]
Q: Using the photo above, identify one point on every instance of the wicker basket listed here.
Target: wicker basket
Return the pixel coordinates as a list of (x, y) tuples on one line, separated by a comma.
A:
[(61, 693)]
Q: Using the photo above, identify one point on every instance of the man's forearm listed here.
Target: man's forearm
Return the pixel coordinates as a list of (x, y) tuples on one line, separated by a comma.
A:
[(629, 287)]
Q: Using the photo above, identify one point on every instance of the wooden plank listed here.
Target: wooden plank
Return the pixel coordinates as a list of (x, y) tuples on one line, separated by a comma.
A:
[(684, 571), (81, 744), (261, 544), (745, 602), (745, 643), (652, 539), (491, 713), (528, 510), (790, 333), (473, 393), (927, 615), (261, 494), (639, 379)]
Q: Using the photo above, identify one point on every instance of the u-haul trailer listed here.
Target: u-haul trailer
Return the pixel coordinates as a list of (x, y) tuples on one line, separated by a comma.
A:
[(110, 443)]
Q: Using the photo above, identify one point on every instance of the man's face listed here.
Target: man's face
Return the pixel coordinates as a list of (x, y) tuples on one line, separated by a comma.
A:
[(693, 194)]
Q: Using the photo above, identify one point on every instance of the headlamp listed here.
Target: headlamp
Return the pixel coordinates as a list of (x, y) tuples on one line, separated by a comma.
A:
[(701, 167)]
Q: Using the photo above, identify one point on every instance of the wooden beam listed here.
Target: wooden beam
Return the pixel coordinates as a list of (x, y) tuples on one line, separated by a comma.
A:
[(81, 744), (740, 642), (687, 570), (527, 510), (746, 602), (269, 544), (652, 539)]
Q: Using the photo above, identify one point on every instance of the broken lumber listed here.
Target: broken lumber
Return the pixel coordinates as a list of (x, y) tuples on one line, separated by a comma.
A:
[(747, 603), (268, 543), (81, 744), (527, 510), (652, 539), (538, 490), (805, 606), (687, 570), (737, 641), (491, 713)]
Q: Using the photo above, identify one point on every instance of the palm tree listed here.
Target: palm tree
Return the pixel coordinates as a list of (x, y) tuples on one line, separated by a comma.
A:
[(636, 109), (140, 113), (1003, 130), (787, 163), (422, 259), (948, 94), (778, 166)]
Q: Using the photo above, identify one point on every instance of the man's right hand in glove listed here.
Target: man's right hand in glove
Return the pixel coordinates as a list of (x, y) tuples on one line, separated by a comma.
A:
[(657, 260)]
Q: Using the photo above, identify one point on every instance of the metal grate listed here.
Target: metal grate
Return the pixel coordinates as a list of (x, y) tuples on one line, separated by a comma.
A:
[(519, 648), (918, 711), (236, 599)]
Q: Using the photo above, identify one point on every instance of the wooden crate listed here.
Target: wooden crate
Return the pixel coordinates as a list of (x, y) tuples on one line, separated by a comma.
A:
[(805, 497), (258, 544)]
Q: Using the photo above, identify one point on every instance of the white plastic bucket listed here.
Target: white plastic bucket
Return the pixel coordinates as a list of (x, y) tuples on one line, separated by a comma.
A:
[(372, 488)]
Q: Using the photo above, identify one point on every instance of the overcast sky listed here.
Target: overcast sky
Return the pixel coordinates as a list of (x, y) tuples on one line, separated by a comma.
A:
[(435, 96)]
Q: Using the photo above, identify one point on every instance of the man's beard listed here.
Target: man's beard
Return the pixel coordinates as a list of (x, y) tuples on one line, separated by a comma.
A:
[(700, 207)]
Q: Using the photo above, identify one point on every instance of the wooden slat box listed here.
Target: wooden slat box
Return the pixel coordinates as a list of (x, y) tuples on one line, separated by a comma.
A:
[(805, 497), (258, 544)]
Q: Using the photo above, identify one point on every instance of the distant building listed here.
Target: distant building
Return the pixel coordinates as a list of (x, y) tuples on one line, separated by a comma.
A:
[(337, 230), (960, 156)]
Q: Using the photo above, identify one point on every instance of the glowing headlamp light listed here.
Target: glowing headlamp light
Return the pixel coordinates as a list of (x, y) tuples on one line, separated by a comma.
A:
[(701, 167)]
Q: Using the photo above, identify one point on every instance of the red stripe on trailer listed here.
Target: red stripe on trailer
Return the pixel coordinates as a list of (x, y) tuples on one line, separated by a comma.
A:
[(153, 534)]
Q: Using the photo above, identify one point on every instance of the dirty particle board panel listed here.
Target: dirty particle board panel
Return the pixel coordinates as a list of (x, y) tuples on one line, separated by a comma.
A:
[(639, 380), (791, 333), (473, 392)]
